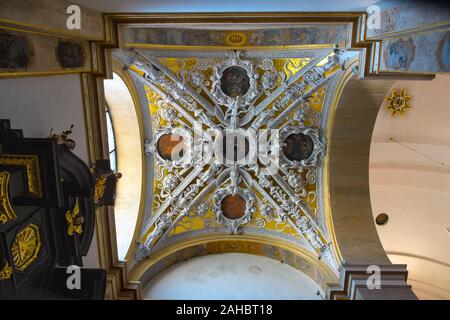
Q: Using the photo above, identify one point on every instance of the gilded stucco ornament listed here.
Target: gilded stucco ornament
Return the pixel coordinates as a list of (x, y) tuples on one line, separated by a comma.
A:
[(6, 271), (398, 102), (227, 75), (6, 211), (75, 220), (233, 223), (269, 80), (246, 90), (308, 230), (198, 78)]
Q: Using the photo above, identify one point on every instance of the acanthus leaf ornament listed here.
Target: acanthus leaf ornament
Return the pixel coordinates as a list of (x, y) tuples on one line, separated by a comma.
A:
[(302, 146), (310, 234), (179, 154), (225, 75)]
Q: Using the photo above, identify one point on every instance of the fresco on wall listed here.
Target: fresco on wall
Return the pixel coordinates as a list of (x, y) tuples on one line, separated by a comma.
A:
[(33, 53), (70, 54), (263, 37), (419, 53), (14, 51), (399, 54), (389, 20), (414, 36), (443, 52), (246, 247)]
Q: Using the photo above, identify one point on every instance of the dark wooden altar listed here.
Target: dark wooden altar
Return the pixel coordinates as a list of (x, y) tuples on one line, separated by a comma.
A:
[(47, 219)]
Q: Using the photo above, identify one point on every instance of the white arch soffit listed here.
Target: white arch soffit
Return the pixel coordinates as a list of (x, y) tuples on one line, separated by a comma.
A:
[(129, 160), (232, 276), (413, 187)]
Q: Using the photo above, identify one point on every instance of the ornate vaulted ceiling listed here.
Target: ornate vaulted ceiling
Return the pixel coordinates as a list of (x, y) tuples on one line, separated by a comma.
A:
[(236, 135)]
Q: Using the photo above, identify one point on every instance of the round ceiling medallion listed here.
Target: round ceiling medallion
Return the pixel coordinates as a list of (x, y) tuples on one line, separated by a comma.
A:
[(233, 206), (235, 81), (382, 219), (171, 146), (298, 147)]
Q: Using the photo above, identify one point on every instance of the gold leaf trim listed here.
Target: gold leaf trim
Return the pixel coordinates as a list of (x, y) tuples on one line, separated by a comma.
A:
[(6, 211)]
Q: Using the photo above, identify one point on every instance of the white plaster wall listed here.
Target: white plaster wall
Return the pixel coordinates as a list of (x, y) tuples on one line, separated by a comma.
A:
[(37, 104), (232, 276), (413, 187)]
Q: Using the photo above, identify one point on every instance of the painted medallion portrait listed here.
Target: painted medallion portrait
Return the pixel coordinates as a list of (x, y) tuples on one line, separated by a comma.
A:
[(298, 147), (235, 82)]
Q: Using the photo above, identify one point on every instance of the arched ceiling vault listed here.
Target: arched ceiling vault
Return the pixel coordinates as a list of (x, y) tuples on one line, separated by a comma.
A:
[(287, 92), (197, 88)]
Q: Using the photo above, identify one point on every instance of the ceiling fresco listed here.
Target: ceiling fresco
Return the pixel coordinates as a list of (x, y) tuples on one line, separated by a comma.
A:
[(236, 140), (240, 35)]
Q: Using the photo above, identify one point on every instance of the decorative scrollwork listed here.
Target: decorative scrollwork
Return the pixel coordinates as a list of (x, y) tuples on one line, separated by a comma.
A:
[(235, 69), (310, 234), (182, 148), (31, 164), (269, 80), (26, 246), (398, 102), (302, 147), (244, 91), (240, 203)]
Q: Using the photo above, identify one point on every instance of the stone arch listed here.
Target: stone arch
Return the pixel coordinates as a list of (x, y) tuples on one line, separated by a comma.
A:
[(356, 237), (348, 171)]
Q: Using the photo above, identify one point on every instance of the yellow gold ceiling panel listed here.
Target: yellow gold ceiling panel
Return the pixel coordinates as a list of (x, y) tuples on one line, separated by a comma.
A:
[(206, 101)]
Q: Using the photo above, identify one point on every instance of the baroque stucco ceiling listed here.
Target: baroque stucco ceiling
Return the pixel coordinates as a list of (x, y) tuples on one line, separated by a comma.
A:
[(198, 98)]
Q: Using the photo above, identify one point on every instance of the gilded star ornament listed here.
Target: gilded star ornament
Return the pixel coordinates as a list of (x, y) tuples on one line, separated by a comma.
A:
[(398, 102)]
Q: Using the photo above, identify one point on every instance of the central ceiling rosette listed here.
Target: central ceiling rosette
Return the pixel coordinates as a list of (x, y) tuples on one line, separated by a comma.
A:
[(237, 142)]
